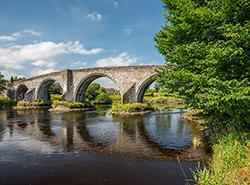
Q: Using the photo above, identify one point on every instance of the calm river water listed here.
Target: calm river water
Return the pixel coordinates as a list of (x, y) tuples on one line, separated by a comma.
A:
[(42, 148)]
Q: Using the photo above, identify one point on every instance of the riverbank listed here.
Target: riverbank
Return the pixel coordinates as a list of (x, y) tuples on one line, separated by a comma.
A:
[(230, 162)]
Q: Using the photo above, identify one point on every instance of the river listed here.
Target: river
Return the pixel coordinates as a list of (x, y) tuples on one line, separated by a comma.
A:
[(39, 147)]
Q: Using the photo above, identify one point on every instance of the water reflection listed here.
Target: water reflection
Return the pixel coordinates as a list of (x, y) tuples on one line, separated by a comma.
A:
[(158, 136)]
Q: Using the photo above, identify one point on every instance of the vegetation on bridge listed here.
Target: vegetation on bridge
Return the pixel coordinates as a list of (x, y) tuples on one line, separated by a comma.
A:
[(206, 45)]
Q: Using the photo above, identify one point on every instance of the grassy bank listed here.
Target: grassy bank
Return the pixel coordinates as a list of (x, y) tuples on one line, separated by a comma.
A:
[(230, 162), (6, 102), (131, 108)]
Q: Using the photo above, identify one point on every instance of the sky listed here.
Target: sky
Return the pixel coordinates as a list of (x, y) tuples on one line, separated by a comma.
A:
[(38, 37)]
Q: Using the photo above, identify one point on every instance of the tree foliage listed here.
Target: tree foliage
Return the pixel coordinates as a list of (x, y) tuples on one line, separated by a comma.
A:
[(103, 98), (92, 91), (16, 78), (2, 83), (206, 45)]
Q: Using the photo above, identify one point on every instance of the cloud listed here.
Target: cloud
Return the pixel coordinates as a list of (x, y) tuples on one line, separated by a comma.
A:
[(18, 35), (77, 64), (94, 16), (123, 59), (39, 71), (31, 32), (44, 63), (115, 4), (127, 31), (9, 38), (16, 55)]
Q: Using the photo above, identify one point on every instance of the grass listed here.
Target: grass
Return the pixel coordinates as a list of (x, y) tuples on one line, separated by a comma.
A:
[(71, 105), (194, 116), (170, 100), (131, 107), (34, 103), (230, 163)]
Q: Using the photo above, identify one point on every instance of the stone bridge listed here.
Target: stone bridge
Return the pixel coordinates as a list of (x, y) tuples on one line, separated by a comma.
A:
[(132, 82)]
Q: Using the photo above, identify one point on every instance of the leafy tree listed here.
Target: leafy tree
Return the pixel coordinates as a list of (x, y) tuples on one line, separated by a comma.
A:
[(55, 88), (2, 83), (92, 91), (206, 45), (16, 78), (103, 98)]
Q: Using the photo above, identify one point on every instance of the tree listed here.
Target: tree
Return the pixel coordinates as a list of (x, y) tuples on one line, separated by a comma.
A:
[(92, 91), (103, 98), (2, 83), (55, 88), (206, 45)]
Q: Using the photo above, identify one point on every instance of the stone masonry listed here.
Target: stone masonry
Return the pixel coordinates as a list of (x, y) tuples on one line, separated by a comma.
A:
[(131, 80)]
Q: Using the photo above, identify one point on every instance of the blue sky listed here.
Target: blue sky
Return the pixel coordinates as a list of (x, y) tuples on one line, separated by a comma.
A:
[(38, 37)]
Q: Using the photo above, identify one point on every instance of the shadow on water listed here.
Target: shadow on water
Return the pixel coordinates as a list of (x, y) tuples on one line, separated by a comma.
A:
[(94, 137)]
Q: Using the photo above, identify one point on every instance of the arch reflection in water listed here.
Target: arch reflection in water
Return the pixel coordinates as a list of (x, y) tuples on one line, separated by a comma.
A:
[(148, 137)]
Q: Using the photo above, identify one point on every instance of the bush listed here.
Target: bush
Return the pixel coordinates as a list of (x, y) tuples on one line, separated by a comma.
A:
[(54, 97), (115, 97), (103, 98), (34, 103), (6, 102), (71, 105), (131, 107), (230, 162)]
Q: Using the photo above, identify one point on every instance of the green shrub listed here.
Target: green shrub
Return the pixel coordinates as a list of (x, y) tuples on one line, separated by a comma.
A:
[(230, 162), (71, 105), (23, 104), (55, 103), (103, 98), (115, 98), (54, 97), (34, 103), (131, 107), (6, 102)]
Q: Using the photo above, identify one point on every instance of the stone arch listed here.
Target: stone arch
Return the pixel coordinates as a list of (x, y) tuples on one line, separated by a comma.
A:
[(21, 90), (143, 87), (85, 82), (42, 91)]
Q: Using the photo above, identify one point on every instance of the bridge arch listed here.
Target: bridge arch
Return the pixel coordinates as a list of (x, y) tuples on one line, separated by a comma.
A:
[(143, 87), (42, 91), (85, 82), (21, 90)]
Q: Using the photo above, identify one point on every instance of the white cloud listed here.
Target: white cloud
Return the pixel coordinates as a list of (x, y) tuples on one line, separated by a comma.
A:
[(31, 32), (16, 56), (39, 71), (44, 63), (77, 64), (9, 38), (94, 16), (123, 59), (127, 31), (115, 4), (18, 35)]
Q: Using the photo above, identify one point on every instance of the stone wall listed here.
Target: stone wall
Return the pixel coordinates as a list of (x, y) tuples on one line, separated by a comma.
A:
[(131, 81)]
